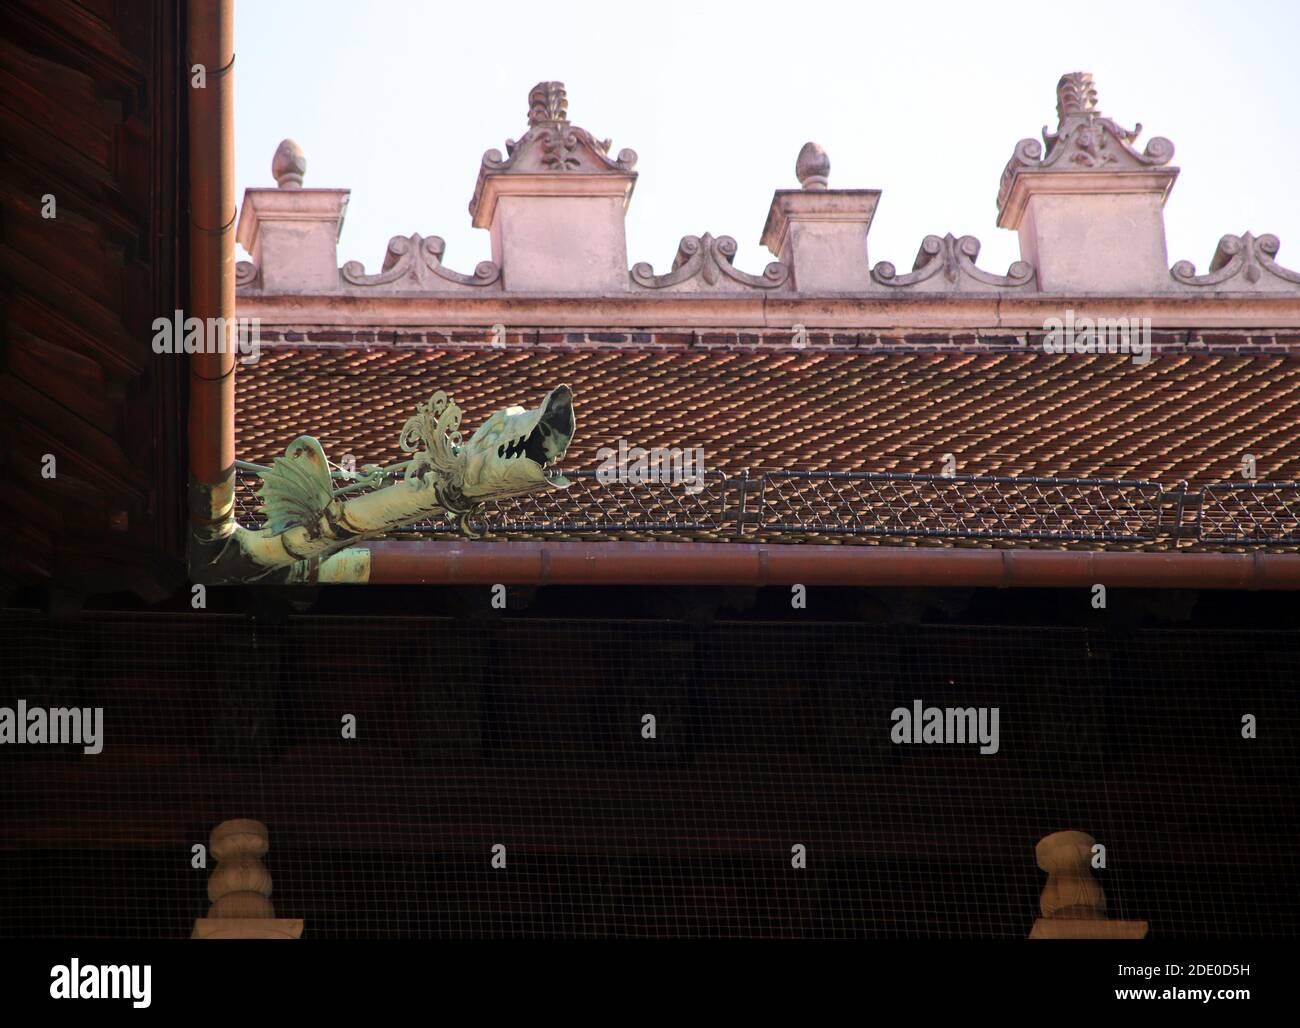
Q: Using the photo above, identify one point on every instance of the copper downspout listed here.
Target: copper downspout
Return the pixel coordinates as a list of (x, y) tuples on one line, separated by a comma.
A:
[(569, 563), (212, 262)]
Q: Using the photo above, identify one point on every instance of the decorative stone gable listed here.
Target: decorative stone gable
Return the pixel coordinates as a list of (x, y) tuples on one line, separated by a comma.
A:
[(552, 145), (555, 203), (1089, 211)]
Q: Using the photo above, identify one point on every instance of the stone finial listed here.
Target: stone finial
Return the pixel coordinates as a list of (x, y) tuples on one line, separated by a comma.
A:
[(555, 203), (552, 144), (1084, 140), (288, 165), (818, 233), (240, 887), (1082, 131), (1073, 903), (1075, 94), (1089, 208), (548, 103), (813, 167)]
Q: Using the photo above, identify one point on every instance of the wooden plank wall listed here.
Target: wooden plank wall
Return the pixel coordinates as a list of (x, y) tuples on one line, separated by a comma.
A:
[(91, 111)]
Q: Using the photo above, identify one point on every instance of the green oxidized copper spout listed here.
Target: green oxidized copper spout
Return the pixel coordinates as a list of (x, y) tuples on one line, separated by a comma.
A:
[(310, 516)]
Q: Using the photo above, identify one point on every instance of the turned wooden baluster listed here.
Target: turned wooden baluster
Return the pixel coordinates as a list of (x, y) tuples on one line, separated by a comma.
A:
[(240, 887), (1073, 903), (1071, 891)]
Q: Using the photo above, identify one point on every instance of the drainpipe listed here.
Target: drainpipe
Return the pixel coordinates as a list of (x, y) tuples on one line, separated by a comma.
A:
[(210, 43)]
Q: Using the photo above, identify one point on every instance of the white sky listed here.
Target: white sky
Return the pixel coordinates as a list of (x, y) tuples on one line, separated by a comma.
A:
[(398, 99)]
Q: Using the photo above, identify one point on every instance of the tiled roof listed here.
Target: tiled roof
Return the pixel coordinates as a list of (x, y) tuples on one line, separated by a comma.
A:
[(1191, 413)]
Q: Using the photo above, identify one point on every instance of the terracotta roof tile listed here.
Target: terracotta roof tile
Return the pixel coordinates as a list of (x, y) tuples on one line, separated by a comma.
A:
[(1188, 414)]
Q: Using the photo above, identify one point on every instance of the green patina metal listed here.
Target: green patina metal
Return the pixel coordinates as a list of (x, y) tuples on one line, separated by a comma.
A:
[(314, 510)]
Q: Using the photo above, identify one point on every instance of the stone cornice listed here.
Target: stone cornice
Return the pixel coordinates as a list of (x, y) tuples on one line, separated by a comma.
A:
[(1158, 181), (851, 206), (1198, 308), (278, 204), (570, 185)]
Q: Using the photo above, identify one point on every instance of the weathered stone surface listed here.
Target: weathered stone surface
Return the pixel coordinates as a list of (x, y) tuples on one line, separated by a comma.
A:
[(819, 233), (1243, 263), (1089, 211), (946, 264), (555, 204), (1087, 204), (292, 233), (703, 264)]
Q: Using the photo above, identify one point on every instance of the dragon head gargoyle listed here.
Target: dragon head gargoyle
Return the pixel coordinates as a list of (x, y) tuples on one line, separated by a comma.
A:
[(514, 451), (309, 514)]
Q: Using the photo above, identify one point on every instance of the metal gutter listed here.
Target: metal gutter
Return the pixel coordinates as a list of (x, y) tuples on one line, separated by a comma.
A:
[(633, 563)]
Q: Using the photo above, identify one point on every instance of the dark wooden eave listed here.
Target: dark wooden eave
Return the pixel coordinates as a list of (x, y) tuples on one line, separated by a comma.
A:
[(92, 111)]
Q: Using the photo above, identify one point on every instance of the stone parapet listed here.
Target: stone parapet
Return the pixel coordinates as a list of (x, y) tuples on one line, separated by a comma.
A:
[(1086, 203)]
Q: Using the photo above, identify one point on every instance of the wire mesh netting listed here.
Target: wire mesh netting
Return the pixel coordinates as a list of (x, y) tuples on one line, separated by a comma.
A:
[(966, 507), (531, 735), (1250, 512), (884, 504)]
